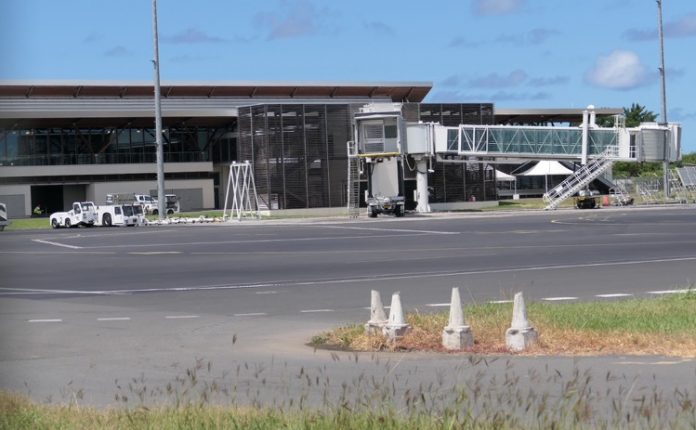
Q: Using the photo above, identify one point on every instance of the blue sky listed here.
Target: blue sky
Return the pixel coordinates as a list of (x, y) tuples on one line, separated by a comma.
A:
[(515, 53)]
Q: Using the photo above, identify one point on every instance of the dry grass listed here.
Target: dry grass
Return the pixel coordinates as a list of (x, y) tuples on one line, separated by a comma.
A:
[(665, 326)]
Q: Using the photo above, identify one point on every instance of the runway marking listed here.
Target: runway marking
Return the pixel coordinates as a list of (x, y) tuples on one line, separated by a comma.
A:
[(155, 253), (251, 314), (607, 296), (234, 242), (46, 320), (672, 291), (181, 317), (401, 230), (114, 319), (437, 305), (48, 242), (307, 311), (558, 299), (499, 302), (45, 291)]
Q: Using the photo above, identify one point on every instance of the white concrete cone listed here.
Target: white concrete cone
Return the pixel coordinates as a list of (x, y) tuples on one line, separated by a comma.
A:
[(378, 318), (396, 325), (521, 334), (457, 335)]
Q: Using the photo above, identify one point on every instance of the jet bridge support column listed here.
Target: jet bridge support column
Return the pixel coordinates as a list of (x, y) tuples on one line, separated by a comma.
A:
[(585, 136), (422, 185)]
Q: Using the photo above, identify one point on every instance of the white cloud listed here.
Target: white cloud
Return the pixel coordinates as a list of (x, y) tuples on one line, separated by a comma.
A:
[(618, 70), (685, 26), (292, 19), (117, 51), (379, 27), (682, 27), (191, 36), (494, 80), (496, 7)]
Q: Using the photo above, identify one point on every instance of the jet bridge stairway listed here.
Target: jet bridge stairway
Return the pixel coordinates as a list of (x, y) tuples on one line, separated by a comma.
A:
[(580, 179)]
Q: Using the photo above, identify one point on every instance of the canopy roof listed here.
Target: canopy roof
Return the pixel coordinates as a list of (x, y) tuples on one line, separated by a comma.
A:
[(547, 168), (503, 177)]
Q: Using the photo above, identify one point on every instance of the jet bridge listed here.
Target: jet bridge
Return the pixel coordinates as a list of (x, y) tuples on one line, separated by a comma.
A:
[(383, 140)]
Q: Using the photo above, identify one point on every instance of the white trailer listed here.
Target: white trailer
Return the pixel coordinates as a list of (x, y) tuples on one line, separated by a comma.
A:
[(119, 215), (81, 214), (149, 204)]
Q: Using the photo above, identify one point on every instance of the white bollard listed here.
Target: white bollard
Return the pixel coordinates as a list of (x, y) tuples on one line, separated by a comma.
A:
[(378, 318), (396, 325), (521, 334), (457, 335)]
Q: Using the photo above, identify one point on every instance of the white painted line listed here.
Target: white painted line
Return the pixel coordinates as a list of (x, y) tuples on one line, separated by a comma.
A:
[(607, 296), (499, 302), (251, 314), (180, 317), (46, 291), (48, 242), (399, 230), (672, 291), (437, 305), (558, 299), (306, 311), (114, 319), (267, 292), (155, 253), (239, 242), (47, 320)]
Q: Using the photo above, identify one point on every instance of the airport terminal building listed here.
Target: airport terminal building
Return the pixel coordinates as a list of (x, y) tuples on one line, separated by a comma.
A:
[(67, 141)]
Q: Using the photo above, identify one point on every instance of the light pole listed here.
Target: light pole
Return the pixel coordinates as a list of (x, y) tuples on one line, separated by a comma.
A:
[(158, 117), (663, 100)]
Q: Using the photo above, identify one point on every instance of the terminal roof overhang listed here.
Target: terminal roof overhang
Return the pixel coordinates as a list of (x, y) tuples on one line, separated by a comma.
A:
[(131, 103), (396, 91)]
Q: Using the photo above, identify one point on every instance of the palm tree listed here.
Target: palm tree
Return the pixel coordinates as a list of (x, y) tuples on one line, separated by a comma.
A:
[(637, 114)]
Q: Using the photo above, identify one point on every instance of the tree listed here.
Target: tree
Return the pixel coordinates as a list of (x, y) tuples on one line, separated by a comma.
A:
[(637, 114), (634, 116)]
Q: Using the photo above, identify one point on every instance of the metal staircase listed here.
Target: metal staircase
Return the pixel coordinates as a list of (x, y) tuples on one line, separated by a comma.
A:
[(580, 179), (353, 182)]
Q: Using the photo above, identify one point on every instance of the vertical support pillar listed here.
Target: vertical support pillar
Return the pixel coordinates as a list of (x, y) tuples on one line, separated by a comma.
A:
[(585, 135), (422, 185)]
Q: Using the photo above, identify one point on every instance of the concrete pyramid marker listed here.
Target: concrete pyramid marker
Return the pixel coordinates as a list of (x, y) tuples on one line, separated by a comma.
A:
[(521, 334), (378, 318), (396, 325), (457, 335)]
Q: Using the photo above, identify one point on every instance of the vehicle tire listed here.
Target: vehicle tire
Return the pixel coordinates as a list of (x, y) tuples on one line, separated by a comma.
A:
[(399, 211), (106, 220), (54, 223), (67, 223), (371, 212), (170, 212), (155, 212)]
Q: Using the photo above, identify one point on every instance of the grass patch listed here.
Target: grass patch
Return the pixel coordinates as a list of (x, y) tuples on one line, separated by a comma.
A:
[(28, 224), (659, 326)]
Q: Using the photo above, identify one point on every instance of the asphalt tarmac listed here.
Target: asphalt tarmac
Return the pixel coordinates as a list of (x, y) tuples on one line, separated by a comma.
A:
[(83, 310)]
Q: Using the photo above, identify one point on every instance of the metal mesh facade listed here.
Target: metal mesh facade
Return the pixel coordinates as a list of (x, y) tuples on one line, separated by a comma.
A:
[(300, 158), (455, 182), (298, 152)]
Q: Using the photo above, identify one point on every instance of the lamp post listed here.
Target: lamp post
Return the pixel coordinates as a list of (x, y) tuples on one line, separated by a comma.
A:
[(158, 117), (663, 100)]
